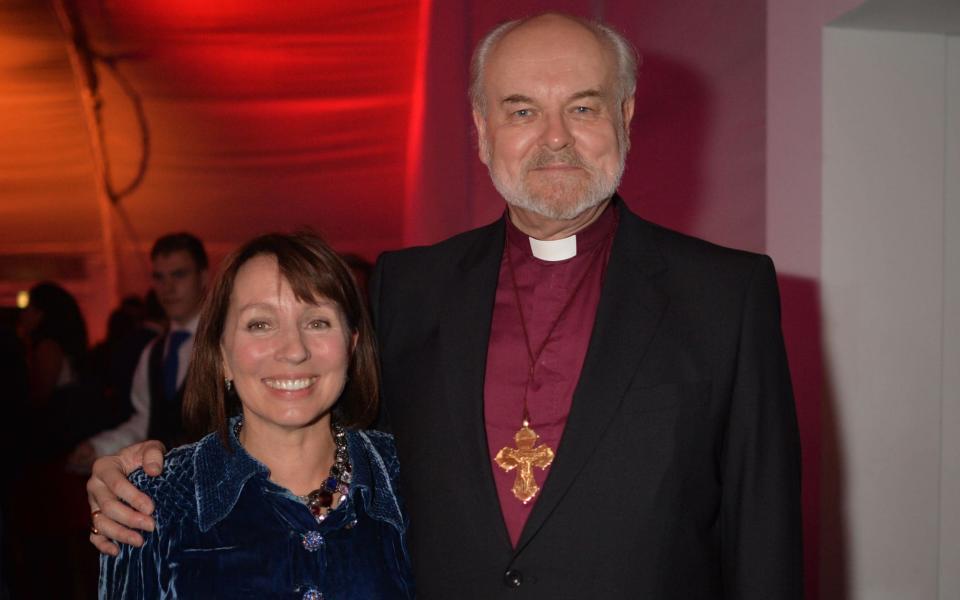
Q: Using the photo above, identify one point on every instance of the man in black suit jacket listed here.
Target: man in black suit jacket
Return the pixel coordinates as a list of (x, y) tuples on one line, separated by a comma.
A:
[(669, 466), (677, 473)]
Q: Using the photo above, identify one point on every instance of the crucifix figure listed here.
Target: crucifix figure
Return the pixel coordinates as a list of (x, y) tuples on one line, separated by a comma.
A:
[(525, 456)]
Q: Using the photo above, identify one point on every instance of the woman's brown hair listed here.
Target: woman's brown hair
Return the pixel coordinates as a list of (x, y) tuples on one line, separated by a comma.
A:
[(314, 271)]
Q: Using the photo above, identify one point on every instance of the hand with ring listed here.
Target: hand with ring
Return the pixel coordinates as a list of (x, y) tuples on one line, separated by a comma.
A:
[(93, 522), (117, 507)]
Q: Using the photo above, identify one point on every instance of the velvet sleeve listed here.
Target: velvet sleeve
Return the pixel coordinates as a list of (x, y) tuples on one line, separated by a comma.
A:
[(760, 461), (135, 572)]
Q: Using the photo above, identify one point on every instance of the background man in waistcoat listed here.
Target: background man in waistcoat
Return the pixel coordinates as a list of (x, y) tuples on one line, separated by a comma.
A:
[(179, 276), (586, 405)]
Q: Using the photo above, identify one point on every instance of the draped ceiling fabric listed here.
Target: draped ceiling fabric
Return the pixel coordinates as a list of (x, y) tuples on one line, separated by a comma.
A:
[(47, 190), (260, 116)]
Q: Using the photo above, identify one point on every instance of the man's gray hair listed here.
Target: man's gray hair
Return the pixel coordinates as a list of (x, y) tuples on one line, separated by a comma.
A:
[(624, 52)]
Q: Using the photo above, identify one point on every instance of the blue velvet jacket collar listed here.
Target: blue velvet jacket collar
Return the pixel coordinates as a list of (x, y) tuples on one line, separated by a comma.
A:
[(221, 476)]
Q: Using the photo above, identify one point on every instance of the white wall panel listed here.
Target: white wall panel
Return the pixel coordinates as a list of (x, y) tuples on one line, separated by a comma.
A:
[(883, 293), (950, 486)]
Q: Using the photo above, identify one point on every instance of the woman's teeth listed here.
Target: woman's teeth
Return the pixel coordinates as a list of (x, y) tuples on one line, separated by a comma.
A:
[(290, 385)]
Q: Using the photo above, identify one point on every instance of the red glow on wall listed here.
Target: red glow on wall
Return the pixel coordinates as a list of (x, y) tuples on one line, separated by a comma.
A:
[(416, 122)]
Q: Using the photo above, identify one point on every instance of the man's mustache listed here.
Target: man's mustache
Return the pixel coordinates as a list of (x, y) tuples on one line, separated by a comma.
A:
[(567, 157)]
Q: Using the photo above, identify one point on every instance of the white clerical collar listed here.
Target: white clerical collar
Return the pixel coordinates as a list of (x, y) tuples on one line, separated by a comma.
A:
[(554, 250)]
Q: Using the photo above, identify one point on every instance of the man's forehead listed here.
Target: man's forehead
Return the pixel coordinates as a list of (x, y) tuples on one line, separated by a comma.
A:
[(558, 48), (545, 34), (567, 78)]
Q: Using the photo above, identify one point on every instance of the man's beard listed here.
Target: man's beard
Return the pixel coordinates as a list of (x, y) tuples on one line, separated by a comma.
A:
[(557, 200)]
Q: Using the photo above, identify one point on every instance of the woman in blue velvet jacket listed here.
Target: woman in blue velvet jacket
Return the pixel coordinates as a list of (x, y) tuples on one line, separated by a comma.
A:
[(287, 497)]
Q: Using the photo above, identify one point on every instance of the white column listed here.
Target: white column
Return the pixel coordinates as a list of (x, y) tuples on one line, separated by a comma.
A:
[(950, 463), (885, 252)]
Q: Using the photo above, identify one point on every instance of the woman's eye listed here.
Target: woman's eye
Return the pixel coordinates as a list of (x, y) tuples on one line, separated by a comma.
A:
[(257, 325), (319, 324)]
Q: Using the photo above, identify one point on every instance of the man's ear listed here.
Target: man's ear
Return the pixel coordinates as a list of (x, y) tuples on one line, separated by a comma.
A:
[(627, 112), (627, 109), (481, 124)]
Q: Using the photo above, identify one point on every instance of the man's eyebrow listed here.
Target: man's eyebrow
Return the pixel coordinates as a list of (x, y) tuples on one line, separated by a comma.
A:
[(521, 99), (517, 99), (591, 93)]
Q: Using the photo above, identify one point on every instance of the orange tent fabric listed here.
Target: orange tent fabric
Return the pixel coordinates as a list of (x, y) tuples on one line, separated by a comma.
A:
[(258, 117)]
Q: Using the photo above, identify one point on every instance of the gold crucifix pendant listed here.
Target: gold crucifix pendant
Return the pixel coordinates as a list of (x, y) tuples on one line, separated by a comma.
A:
[(525, 456)]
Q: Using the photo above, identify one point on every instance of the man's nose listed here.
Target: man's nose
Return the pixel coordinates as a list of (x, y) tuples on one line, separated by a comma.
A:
[(556, 132), (164, 286)]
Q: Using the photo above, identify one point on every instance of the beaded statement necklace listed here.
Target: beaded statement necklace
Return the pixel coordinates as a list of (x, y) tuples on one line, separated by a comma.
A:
[(320, 500)]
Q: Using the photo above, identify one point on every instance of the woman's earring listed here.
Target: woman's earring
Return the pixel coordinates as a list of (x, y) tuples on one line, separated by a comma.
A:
[(229, 384)]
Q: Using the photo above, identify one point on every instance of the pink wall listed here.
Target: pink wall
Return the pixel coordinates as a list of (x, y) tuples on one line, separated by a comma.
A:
[(793, 130)]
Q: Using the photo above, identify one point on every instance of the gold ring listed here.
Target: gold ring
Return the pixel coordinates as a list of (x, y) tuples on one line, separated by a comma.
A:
[(93, 522)]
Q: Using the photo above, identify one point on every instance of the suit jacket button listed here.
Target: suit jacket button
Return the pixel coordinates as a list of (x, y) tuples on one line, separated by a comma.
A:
[(513, 578)]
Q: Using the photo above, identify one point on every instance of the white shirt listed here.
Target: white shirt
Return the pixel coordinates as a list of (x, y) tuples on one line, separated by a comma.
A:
[(135, 428)]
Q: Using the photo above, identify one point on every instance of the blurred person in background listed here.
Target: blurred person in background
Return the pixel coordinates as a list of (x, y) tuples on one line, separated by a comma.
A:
[(55, 336), (57, 404), (179, 276), (114, 360), (61, 399)]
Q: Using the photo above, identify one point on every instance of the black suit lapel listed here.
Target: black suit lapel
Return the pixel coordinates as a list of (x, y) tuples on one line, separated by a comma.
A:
[(629, 312), (464, 337)]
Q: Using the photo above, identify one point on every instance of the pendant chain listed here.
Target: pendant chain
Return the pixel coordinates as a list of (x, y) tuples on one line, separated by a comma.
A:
[(531, 355)]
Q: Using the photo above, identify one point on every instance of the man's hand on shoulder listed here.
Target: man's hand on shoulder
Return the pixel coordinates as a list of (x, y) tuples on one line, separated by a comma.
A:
[(116, 505)]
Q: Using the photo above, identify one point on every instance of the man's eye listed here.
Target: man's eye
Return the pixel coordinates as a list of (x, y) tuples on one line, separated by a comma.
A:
[(523, 112), (583, 109), (257, 326)]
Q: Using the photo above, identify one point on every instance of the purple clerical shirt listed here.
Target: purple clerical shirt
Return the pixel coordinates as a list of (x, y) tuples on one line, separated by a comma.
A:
[(544, 288)]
